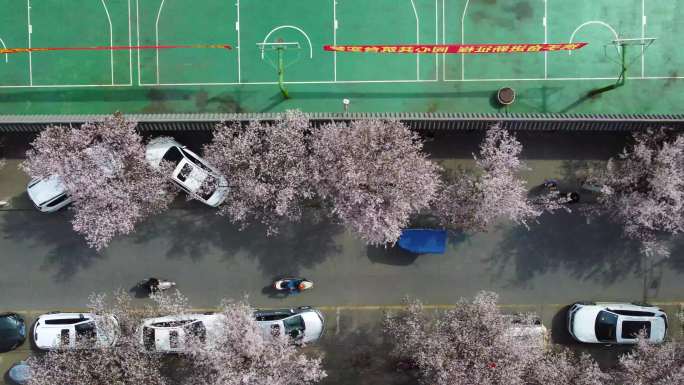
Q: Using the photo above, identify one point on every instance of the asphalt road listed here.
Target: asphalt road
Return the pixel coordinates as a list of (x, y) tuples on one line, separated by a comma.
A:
[(562, 259), (44, 264)]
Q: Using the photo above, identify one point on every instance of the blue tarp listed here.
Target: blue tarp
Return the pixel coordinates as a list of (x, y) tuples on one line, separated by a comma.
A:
[(421, 241)]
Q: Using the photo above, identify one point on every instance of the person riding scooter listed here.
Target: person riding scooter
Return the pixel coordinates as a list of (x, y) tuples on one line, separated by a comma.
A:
[(292, 285), (156, 285)]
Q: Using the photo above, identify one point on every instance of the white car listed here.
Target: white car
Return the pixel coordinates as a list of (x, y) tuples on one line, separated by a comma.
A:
[(49, 194), (74, 330), (302, 324), (615, 323), (172, 334), (190, 172)]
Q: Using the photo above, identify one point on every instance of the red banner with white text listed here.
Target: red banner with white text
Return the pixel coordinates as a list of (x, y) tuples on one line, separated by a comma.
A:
[(456, 48)]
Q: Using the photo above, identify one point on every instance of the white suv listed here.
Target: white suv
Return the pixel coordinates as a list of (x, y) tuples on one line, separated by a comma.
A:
[(616, 323), (75, 330), (190, 172), (173, 334), (49, 194)]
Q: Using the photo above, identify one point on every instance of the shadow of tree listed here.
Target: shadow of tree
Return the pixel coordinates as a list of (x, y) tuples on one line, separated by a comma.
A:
[(193, 233), (587, 251), (361, 356), (676, 259), (67, 252), (391, 255)]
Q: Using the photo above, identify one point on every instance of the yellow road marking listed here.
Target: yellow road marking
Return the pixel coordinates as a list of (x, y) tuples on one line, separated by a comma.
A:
[(365, 307)]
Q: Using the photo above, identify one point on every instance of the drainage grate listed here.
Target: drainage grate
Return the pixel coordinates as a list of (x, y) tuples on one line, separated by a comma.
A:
[(418, 121)]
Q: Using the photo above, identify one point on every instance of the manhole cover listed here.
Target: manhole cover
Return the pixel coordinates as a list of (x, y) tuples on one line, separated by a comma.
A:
[(506, 96)]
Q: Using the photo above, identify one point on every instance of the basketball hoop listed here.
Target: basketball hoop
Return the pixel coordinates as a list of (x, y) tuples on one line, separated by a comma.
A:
[(621, 47), (274, 46), (279, 46)]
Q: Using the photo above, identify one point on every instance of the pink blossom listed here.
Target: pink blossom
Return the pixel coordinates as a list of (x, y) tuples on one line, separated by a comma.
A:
[(469, 344), (243, 355), (473, 201), (643, 189), (374, 174), (103, 167), (562, 367), (652, 364), (267, 167)]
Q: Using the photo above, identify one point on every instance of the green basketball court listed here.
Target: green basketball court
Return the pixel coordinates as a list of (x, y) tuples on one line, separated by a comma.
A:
[(245, 78)]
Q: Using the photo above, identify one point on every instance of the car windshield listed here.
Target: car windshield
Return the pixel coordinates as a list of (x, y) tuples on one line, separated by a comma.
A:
[(85, 333), (294, 323), (606, 326), (173, 156), (196, 161), (631, 329)]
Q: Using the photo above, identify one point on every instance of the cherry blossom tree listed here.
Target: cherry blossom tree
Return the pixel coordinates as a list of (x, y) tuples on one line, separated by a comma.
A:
[(470, 344), (239, 353), (643, 188), (562, 367), (652, 364), (243, 355), (103, 167), (268, 169), (374, 174), (472, 201)]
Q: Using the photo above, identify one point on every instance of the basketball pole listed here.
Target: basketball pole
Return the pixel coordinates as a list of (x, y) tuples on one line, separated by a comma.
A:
[(623, 63), (281, 73)]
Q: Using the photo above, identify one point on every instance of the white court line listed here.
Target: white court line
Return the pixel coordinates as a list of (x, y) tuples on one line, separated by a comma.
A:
[(30, 30), (6, 55), (546, 37), (415, 12), (335, 26), (443, 39), (291, 27), (111, 39), (570, 79), (414, 81), (69, 86), (156, 34), (437, 38), (340, 82), (599, 22), (137, 28), (465, 9), (130, 43), (643, 35), (293, 82), (31, 84), (237, 27)]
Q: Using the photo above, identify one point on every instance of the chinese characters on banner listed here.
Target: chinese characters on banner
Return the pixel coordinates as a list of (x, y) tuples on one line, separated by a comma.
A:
[(456, 48)]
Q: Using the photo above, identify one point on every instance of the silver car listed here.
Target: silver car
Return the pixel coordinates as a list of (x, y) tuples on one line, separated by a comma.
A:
[(616, 323), (303, 324), (190, 172)]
